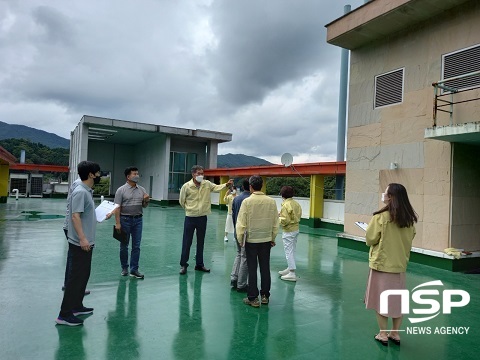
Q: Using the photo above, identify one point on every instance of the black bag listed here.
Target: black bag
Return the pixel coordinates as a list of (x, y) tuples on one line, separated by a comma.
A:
[(120, 235)]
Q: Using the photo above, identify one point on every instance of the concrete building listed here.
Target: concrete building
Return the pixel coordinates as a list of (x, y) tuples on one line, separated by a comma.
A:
[(163, 154), (398, 48)]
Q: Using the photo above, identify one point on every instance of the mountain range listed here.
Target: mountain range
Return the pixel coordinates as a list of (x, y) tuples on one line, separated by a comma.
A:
[(10, 131)]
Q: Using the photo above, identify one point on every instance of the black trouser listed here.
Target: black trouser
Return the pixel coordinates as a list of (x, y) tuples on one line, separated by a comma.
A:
[(67, 266), (80, 265), (258, 253), (189, 226)]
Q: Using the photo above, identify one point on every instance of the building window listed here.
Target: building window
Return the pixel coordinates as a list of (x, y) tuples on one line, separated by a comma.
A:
[(179, 171), (462, 62), (389, 88)]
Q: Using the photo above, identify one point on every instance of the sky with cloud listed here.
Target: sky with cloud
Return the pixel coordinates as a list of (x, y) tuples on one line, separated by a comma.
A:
[(261, 70)]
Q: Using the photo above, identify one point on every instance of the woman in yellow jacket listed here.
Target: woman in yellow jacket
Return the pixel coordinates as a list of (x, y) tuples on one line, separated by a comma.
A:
[(389, 234), (290, 215), (228, 199)]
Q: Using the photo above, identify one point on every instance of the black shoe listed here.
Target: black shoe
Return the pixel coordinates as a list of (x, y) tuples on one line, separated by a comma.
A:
[(70, 320), (242, 289), (381, 341), (183, 270), (233, 284), (82, 311), (395, 341), (136, 274), (124, 272), (202, 268)]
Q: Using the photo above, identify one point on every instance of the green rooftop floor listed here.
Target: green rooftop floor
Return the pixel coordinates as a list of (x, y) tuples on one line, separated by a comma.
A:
[(197, 316)]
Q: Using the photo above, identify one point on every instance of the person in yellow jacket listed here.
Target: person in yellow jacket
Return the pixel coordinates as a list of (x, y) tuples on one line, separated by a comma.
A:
[(257, 224), (390, 235), (228, 199), (195, 199), (290, 215)]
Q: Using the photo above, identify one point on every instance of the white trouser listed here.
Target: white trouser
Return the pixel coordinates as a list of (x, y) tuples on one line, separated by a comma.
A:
[(290, 245), (229, 224)]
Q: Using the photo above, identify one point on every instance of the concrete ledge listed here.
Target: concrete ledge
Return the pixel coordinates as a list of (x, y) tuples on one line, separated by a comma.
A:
[(433, 258), (321, 223)]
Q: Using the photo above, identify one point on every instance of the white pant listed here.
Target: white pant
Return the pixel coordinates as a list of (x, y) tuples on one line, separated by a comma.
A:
[(290, 245), (229, 224)]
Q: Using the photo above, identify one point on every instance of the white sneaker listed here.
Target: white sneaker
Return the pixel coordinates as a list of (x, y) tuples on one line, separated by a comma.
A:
[(225, 238), (289, 277), (284, 272)]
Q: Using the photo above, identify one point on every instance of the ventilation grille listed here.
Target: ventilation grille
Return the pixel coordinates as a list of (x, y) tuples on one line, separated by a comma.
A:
[(389, 88), (460, 63)]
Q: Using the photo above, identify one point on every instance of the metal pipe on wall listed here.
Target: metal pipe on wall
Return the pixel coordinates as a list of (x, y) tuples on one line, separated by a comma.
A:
[(342, 114)]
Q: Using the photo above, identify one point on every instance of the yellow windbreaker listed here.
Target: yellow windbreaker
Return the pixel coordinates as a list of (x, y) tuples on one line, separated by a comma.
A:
[(258, 216), (389, 244), (196, 201), (290, 215)]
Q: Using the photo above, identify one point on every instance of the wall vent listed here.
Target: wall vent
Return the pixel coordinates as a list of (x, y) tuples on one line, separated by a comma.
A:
[(389, 88), (459, 63)]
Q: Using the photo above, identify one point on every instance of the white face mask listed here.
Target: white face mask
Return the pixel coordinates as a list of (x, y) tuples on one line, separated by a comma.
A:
[(234, 192), (135, 178), (199, 178), (384, 198)]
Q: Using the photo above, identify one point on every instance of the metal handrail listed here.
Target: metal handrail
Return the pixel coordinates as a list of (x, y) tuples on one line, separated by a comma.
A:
[(440, 85)]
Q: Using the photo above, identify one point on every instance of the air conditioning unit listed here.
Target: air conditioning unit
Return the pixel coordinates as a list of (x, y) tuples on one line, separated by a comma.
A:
[(36, 185), (19, 182)]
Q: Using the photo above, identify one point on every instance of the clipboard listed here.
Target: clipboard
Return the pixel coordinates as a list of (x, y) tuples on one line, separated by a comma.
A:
[(103, 209), (120, 236), (362, 225)]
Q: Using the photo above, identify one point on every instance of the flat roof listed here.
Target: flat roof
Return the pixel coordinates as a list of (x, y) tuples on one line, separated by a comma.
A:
[(198, 315), (130, 132), (378, 19)]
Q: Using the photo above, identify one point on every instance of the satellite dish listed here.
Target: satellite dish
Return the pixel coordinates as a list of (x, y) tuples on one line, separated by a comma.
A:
[(287, 159)]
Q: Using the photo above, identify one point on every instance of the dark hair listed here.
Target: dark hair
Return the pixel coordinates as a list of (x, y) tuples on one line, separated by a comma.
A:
[(399, 207), (245, 184), (256, 182), (195, 168), (84, 168), (287, 192), (129, 169)]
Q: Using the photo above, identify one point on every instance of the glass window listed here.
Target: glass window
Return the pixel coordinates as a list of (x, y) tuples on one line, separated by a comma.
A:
[(179, 169), (179, 162)]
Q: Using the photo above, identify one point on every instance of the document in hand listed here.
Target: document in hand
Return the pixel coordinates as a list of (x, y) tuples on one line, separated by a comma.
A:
[(362, 224), (103, 209), (120, 235)]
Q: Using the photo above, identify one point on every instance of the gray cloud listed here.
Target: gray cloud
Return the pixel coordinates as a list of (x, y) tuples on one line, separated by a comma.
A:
[(260, 70)]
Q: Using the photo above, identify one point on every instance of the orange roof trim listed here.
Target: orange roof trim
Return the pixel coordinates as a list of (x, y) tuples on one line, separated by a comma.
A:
[(323, 168)]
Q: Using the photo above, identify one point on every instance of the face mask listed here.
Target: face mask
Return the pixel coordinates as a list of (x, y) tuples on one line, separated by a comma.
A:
[(234, 192), (135, 178), (199, 178), (96, 180), (384, 198)]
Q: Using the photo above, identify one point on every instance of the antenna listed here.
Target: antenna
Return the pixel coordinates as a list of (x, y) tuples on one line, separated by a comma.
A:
[(287, 159)]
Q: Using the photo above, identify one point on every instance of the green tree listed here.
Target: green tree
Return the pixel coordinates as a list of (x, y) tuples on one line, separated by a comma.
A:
[(103, 188), (36, 153), (301, 185)]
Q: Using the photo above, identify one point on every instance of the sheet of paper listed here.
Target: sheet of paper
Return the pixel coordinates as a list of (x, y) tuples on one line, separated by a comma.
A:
[(104, 208), (362, 224)]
